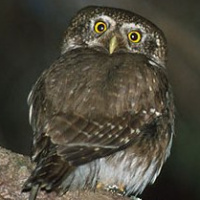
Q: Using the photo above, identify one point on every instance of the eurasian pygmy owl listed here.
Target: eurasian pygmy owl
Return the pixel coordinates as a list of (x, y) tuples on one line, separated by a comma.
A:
[(102, 114)]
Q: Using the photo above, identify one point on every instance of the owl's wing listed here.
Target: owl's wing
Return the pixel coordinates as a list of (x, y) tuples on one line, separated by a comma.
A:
[(78, 139)]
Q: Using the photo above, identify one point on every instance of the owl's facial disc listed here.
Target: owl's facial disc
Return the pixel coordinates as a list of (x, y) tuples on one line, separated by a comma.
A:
[(113, 30), (114, 36)]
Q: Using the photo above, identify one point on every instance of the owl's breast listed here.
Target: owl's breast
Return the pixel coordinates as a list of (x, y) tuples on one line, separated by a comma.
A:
[(95, 82)]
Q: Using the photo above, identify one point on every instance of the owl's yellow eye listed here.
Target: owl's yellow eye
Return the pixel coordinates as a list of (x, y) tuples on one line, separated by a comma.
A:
[(134, 36), (100, 27)]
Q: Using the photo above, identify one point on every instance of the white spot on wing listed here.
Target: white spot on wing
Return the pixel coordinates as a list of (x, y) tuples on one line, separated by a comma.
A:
[(97, 124), (158, 42), (71, 92), (167, 94), (132, 131), (152, 110), (157, 113), (85, 133), (122, 139), (144, 112), (126, 140), (137, 131), (152, 63), (132, 104), (100, 135), (84, 99), (96, 133), (112, 126), (116, 136), (108, 124)]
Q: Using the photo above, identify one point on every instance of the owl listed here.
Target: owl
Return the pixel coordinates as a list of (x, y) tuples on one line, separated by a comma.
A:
[(102, 115)]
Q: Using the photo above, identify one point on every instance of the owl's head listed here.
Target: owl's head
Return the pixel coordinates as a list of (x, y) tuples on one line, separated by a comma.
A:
[(113, 30)]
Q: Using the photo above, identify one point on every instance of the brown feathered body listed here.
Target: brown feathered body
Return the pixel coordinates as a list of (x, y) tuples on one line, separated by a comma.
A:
[(100, 118)]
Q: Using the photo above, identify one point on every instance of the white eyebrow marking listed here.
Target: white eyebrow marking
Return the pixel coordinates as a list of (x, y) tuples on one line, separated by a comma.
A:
[(132, 26), (105, 18)]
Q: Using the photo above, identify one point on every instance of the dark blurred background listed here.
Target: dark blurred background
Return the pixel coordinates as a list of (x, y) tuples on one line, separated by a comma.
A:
[(30, 37)]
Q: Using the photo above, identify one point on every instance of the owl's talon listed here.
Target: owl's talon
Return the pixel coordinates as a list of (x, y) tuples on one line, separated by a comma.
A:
[(119, 189)]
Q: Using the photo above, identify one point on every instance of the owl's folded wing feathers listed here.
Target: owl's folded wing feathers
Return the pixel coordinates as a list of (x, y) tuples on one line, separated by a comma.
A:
[(79, 140)]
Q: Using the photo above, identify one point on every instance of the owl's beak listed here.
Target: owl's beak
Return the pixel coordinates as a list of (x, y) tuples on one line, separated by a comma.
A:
[(113, 44)]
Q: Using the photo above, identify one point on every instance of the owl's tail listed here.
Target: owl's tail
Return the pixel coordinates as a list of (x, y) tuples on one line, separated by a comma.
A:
[(34, 192), (48, 175)]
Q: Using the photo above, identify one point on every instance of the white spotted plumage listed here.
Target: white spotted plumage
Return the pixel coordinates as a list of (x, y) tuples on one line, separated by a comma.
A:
[(103, 113)]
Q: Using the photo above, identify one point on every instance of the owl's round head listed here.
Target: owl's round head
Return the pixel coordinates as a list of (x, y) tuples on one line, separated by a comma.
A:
[(113, 30)]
